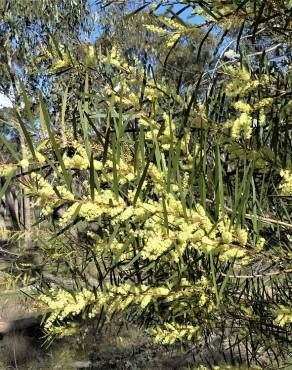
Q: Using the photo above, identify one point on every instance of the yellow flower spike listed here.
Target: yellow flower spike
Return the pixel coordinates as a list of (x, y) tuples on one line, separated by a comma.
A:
[(260, 245), (24, 163), (242, 236), (226, 237), (286, 186), (242, 125), (173, 39), (242, 106), (284, 316), (156, 29), (7, 170), (232, 253)]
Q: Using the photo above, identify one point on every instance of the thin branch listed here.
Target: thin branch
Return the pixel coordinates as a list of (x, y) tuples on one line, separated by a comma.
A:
[(263, 219), (259, 218), (273, 273)]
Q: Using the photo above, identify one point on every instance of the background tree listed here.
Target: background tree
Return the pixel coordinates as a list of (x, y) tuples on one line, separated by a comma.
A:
[(25, 27), (178, 65)]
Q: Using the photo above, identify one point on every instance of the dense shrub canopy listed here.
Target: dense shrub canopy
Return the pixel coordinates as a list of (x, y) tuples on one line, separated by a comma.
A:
[(167, 199)]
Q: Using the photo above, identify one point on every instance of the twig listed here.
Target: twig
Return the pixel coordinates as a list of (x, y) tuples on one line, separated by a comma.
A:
[(263, 219), (273, 273), (259, 218), (62, 282)]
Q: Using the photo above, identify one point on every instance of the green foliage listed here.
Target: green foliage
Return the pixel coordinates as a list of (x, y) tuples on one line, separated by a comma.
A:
[(163, 204)]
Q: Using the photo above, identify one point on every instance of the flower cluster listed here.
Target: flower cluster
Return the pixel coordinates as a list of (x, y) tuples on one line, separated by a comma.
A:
[(104, 202), (63, 304), (7, 169), (46, 196), (249, 112), (286, 186), (284, 316), (243, 124), (79, 160), (241, 83), (173, 332)]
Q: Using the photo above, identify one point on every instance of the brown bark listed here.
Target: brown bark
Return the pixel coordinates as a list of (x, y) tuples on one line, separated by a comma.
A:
[(12, 205), (25, 204), (25, 200), (2, 224)]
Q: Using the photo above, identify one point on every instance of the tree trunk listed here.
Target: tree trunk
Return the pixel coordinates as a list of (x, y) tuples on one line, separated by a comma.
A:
[(25, 200), (12, 206), (25, 203), (3, 235)]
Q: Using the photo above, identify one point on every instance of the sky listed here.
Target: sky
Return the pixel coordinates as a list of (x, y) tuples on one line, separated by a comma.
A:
[(185, 16), (5, 102), (176, 8)]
